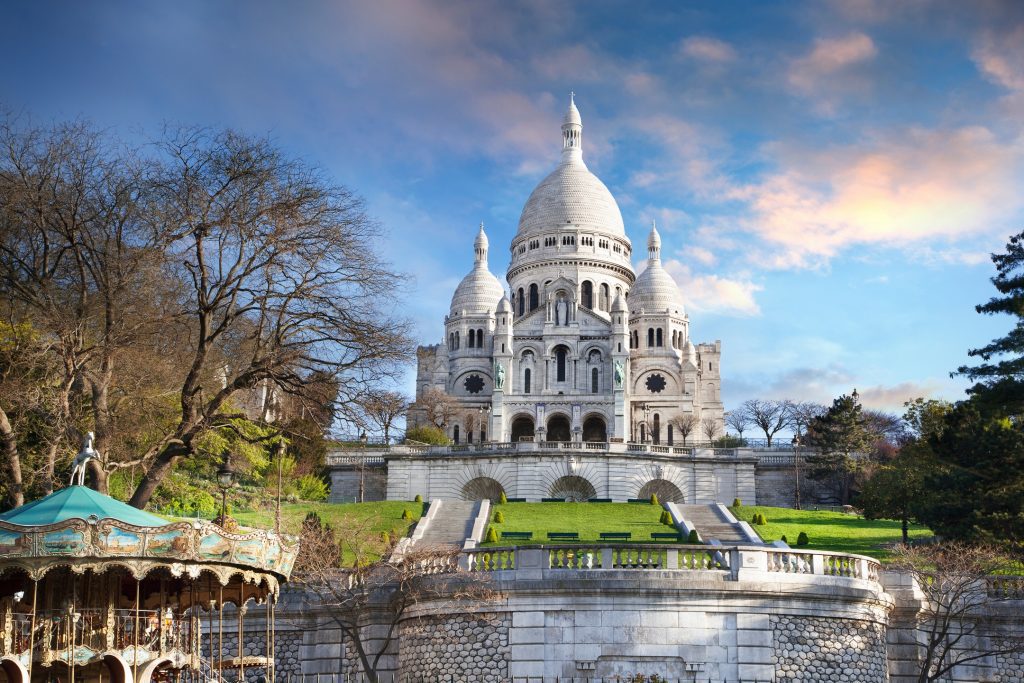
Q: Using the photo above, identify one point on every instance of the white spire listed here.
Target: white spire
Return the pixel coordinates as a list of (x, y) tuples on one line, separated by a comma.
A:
[(654, 244), (572, 131), (480, 247)]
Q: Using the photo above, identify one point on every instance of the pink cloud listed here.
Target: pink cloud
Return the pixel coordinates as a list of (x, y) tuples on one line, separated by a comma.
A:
[(829, 72), (714, 294), (707, 49), (1001, 58)]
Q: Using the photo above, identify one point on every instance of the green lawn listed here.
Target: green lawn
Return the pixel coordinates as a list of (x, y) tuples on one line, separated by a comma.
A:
[(833, 531), (586, 519)]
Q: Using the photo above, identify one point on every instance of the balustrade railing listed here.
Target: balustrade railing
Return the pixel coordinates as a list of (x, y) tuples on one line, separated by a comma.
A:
[(1006, 587), (98, 630)]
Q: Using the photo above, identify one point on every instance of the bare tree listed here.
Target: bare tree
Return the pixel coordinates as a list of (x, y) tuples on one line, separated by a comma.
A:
[(283, 285), (709, 426), (770, 416), (376, 582), (738, 420), (960, 585), (383, 407), (686, 424), (439, 407)]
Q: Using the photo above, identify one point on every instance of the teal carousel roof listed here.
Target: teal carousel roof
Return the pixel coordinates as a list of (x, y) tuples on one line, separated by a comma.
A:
[(78, 502)]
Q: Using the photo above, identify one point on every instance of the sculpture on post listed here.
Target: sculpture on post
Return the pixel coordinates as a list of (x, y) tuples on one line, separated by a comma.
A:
[(619, 374), (84, 456), (499, 375)]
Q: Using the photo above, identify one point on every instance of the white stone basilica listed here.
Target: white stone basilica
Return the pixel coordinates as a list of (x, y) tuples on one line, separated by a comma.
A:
[(581, 348)]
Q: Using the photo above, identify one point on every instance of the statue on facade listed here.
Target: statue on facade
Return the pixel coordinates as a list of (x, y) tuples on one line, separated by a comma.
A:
[(84, 456), (619, 374), (561, 312), (499, 376)]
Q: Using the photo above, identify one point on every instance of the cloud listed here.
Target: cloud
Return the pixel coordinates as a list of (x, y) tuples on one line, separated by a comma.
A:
[(714, 294), (1000, 57), (707, 49), (829, 73), (891, 398), (906, 189)]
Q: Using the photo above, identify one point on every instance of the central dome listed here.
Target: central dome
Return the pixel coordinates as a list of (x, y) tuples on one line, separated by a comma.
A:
[(571, 195)]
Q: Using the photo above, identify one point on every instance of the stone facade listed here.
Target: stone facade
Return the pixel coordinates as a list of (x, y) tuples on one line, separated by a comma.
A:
[(470, 648), (815, 649)]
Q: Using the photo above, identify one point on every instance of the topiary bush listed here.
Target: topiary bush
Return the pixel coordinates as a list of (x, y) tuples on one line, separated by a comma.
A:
[(312, 488), (654, 499), (784, 539), (499, 518), (760, 519), (693, 538), (385, 538), (406, 515), (502, 499), (736, 502), (492, 535), (802, 539), (418, 499), (666, 518)]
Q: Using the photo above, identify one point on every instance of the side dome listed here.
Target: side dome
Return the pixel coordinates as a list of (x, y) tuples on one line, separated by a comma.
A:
[(480, 291), (654, 290), (571, 194)]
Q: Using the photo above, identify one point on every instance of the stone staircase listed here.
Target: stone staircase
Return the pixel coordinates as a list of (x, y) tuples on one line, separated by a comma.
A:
[(712, 524), (452, 525)]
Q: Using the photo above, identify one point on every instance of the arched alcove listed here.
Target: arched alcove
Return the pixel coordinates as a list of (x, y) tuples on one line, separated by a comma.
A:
[(572, 488), (595, 429), (558, 428), (522, 428), (482, 488), (666, 491)]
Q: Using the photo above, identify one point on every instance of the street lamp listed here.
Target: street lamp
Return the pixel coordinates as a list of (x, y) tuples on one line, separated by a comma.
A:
[(225, 477), (484, 412), (796, 467), (362, 468), (279, 451)]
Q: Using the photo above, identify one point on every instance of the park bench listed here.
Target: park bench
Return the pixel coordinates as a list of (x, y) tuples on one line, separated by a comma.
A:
[(563, 536), (552, 500), (600, 500), (516, 500), (640, 500), (615, 535), (516, 535), (666, 536)]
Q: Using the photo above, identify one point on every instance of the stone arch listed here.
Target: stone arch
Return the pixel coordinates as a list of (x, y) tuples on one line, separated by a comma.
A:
[(559, 428), (573, 488), (119, 668), (666, 491), (595, 428), (522, 426), (482, 488), (14, 670)]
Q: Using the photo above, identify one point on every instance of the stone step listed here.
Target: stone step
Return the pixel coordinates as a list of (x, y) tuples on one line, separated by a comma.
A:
[(711, 524), (452, 524)]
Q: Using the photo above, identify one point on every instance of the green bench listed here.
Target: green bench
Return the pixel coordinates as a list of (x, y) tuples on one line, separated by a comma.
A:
[(516, 500), (639, 500), (667, 536), (517, 535), (552, 500), (563, 536), (615, 535), (600, 500)]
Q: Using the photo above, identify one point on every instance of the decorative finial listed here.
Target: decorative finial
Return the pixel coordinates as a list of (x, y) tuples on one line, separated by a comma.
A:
[(572, 97)]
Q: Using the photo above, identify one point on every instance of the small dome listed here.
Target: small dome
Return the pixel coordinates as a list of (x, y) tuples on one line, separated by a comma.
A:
[(480, 291), (504, 306), (572, 115), (654, 239), (654, 290), (619, 305)]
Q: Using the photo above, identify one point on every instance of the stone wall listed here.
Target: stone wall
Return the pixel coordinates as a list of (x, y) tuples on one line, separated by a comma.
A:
[(345, 483), (470, 648), (776, 487), (817, 649)]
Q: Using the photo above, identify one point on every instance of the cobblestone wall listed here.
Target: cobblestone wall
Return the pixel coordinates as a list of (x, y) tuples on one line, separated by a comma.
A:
[(466, 647), (286, 662), (1010, 667), (815, 649)]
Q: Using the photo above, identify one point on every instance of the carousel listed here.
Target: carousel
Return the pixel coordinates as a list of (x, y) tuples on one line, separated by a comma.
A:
[(93, 590)]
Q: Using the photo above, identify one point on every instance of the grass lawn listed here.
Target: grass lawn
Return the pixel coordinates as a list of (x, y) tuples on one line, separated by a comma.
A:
[(370, 518), (586, 519), (833, 531)]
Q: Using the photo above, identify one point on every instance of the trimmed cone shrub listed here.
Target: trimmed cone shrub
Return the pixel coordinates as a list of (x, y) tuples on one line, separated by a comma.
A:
[(502, 499), (693, 538), (654, 499), (784, 539), (385, 538), (665, 518), (736, 502), (499, 518), (802, 539), (492, 535), (418, 499), (406, 515)]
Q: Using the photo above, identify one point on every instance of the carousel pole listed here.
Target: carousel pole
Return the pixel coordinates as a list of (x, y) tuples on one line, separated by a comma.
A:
[(271, 653), (135, 632), (220, 643), (241, 648), (32, 632)]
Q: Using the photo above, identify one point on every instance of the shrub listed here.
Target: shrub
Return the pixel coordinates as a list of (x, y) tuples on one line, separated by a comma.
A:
[(406, 515), (802, 539), (666, 517), (492, 535), (502, 499), (693, 538), (784, 539), (499, 518), (654, 499), (428, 434), (312, 487), (736, 502), (385, 538), (760, 519), (418, 499)]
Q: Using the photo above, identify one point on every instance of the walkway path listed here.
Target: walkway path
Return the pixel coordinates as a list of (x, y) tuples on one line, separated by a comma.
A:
[(452, 525), (712, 524)]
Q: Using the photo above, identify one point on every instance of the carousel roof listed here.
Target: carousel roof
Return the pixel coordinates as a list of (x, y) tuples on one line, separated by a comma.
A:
[(78, 502)]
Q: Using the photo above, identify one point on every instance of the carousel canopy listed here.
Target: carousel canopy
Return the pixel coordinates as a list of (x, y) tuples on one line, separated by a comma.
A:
[(78, 502)]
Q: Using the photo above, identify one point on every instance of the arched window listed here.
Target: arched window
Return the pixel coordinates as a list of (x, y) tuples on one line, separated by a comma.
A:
[(455, 433), (670, 434), (660, 338), (456, 340), (593, 381), (603, 300), (673, 339), (534, 296), (560, 353), (472, 338), (521, 301), (479, 339), (643, 434), (587, 294), (526, 381), (451, 341), (656, 429), (650, 337)]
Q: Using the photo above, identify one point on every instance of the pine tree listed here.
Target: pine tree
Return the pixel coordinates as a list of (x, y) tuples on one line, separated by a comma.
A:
[(843, 436), (1000, 378)]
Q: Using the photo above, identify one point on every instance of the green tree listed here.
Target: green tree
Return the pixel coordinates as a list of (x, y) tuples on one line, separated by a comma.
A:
[(1000, 378), (843, 436)]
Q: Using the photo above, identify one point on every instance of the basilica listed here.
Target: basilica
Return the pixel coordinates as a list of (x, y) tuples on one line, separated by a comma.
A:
[(578, 347)]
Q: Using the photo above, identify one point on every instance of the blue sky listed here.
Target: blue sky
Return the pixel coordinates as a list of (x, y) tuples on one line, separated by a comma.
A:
[(828, 177)]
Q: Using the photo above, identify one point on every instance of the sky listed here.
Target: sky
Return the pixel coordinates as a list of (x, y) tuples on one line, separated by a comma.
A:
[(829, 178)]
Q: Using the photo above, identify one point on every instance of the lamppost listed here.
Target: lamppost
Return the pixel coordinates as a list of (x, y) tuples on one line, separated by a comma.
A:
[(279, 452), (362, 467), (796, 467), (225, 477), (646, 410)]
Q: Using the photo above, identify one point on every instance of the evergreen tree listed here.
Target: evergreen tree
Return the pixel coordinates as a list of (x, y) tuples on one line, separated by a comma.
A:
[(1000, 378), (843, 436)]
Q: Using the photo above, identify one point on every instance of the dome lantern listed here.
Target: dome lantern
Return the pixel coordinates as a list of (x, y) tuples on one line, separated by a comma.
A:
[(572, 131)]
